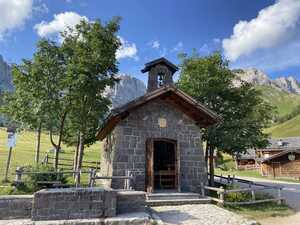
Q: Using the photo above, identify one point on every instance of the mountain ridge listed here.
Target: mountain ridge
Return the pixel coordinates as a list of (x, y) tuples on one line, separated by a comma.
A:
[(5, 76), (255, 76)]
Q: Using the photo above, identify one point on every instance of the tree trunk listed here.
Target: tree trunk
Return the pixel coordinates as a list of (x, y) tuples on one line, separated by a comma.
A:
[(58, 145), (75, 161), (211, 166), (80, 154), (38, 143), (206, 156)]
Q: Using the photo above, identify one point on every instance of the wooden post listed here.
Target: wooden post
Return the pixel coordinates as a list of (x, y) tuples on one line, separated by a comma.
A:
[(202, 190), (221, 195), (19, 172), (129, 181), (279, 196), (7, 164), (77, 178), (228, 179), (46, 159), (58, 174), (91, 177), (252, 195)]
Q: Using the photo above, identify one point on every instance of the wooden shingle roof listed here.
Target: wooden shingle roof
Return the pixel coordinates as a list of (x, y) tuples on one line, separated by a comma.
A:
[(161, 60), (202, 116)]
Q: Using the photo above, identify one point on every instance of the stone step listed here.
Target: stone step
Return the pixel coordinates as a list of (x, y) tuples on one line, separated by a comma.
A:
[(178, 202), (172, 196)]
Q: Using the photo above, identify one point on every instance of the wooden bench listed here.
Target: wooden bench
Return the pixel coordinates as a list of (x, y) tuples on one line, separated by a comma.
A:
[(49, 184), (166, 178)]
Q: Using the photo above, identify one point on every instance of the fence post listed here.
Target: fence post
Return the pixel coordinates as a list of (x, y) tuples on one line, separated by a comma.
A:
[(128, 181), (228, 179), (252, 195), (58, 174), (19, 172), (202, 190), (221, 195), (91, 177), (77, 178), (279, 196), (46, 160)]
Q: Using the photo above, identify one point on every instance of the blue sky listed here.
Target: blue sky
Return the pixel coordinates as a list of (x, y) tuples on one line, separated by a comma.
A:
[(257, 33)]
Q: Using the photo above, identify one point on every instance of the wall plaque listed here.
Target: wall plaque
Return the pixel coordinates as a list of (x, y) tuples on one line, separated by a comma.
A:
[(162, 122)]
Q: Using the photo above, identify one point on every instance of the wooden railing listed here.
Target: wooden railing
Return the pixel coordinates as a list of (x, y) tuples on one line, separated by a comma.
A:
[(252, 188), (64, 162), (248, 167), (20, 172), (129, 179)]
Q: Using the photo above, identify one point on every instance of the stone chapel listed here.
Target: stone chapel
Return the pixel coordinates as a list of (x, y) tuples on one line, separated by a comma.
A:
[(157, 137)]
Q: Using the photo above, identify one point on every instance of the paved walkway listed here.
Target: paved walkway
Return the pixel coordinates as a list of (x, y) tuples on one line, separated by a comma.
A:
[(202, 214)]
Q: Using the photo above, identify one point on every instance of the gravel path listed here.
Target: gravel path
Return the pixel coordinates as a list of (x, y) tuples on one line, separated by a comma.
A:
[(202, 214)]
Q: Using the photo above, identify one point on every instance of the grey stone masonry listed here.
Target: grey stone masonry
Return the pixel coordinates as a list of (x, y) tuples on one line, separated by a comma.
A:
[(74, 203), (126, 146), (15, 206), (131, 201)]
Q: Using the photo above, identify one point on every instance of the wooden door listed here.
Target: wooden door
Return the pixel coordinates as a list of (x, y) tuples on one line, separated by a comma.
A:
[(149, 166), (276, 169), (177, 166)]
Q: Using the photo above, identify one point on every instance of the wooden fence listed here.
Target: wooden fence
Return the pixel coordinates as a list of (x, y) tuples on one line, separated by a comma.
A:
[(68, 163), (252, 188), (248, 167), (129, 180)]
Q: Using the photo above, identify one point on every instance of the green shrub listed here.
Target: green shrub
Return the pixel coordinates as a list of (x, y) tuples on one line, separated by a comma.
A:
[(41, 174), (10, 190), (236, 196)]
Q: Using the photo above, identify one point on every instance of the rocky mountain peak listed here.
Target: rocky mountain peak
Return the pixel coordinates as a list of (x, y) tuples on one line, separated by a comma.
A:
[(5, 75), (257, 77), (128, 89), (254, 76), (288, 84)]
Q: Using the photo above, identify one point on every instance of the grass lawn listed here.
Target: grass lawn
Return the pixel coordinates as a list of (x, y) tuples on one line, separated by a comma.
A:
[(262, 210), (290, 128), (24, 152)]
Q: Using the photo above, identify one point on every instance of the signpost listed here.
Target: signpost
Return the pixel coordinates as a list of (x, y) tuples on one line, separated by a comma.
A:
[(11, 142)]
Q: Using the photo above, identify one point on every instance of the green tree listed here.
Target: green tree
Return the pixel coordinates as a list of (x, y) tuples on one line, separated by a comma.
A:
[(91, 65), (38, 99), (210, 81)]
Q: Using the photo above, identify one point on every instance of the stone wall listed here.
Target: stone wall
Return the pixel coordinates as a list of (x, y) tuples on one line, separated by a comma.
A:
[(71, 203), (125, 148), (131, 201), (15, 206)]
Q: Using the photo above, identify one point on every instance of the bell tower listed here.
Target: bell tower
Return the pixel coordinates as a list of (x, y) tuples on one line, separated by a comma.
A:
[(160, 73)]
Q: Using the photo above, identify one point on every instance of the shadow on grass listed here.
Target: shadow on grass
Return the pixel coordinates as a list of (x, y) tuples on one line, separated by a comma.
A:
[(262, 210)]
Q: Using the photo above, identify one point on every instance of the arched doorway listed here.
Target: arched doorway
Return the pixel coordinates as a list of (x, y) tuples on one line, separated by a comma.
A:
[(162, 165)]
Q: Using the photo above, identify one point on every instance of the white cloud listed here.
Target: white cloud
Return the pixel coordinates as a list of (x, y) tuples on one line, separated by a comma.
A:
[(126, 50), (177, 47), (163, 52), (13, 14), (211, 46), (155, 44), (274, 26), (272, 60), (58, 24)]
